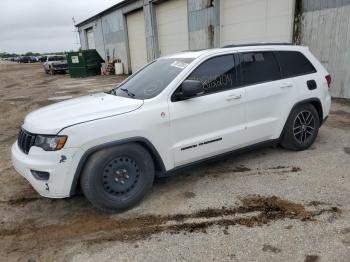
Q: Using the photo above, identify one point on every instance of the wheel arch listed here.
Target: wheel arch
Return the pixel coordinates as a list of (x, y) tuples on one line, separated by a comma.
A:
[(158, 162), (313, 101), (317, 104)]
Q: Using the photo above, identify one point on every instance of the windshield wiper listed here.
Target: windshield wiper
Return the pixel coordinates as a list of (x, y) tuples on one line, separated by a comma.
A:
[(110, 92), (128, 92)]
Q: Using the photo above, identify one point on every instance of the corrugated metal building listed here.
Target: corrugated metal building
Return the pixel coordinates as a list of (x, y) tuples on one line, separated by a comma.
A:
[(325, 28), (138, 31)]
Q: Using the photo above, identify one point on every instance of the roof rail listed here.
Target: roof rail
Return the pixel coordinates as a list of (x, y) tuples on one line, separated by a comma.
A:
[(256, 44)]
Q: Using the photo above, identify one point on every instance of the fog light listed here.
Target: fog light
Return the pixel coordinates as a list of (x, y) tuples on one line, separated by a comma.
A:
[(40, 175)]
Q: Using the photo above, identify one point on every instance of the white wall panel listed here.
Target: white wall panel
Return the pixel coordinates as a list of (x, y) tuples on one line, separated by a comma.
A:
[(326, 31), (137, 40), (172, 26), (247, 21)]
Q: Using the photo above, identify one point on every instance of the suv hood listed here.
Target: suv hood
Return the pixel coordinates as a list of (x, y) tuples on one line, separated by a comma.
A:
[(51, 119)]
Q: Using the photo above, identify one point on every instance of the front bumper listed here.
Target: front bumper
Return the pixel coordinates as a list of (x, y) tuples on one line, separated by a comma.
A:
[(61, 172), (60, 69)]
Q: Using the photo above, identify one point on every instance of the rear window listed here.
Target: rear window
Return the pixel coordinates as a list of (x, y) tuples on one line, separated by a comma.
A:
[(259, 67), (56, 58), (294, 64)]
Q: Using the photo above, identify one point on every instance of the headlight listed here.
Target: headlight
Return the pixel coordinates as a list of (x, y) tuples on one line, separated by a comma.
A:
[(50, 143)]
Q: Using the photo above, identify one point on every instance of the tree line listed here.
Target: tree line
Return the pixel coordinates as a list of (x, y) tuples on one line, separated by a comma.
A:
[(8, 55)]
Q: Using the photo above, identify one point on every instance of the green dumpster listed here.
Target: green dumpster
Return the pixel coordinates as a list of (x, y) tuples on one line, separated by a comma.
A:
[(84, 63)]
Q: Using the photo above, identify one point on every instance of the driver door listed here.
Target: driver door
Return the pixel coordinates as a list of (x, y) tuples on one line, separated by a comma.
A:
[(212, 122)]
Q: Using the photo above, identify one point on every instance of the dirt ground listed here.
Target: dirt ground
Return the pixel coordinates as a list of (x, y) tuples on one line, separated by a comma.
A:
[(266, 205)]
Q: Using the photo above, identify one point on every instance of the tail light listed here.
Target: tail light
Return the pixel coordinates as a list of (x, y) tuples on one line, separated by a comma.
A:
[(329, 80)]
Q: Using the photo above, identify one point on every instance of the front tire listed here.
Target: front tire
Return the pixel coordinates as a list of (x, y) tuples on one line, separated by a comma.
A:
[(301, 128), (118, 178)]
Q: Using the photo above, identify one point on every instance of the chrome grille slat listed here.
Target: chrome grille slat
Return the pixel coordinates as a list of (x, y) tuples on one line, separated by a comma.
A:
[(25, 141)]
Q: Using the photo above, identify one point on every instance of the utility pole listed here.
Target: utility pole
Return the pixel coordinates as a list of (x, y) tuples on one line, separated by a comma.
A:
[(76, 33)]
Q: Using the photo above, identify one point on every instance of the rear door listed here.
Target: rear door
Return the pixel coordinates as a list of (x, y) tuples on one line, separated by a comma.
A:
[(295, 66), (211, 123), (268, 96)]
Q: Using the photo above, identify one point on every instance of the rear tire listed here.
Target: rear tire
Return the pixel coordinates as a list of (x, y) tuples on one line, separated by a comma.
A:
[(118, 178), (301, 128)]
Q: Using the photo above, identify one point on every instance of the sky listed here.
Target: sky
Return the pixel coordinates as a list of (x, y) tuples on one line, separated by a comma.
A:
[(44, 25)]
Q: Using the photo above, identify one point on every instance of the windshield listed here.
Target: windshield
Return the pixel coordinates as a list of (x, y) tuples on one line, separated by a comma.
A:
[(153, 79), (56, 58)]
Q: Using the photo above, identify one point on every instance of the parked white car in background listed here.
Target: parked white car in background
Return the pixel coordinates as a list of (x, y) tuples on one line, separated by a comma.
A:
[(55, 64), (177, 111)]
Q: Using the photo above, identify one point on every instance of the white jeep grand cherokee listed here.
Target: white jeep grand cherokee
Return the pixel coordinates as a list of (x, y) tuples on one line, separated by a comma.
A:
[(176, 111)]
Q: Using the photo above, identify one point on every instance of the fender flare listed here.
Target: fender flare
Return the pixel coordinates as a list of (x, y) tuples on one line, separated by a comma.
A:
[(160, 167), (312, 101)]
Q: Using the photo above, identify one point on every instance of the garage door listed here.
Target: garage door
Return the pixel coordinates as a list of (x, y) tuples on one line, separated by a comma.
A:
[(253, 21), (172, 26), (90, 38), (137, 40)]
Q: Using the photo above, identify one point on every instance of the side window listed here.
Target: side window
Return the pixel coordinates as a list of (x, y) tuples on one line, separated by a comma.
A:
[(216, 74), (294, 64), (259, 67)]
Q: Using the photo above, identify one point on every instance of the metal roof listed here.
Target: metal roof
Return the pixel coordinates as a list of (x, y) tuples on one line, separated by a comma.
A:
[(104, 12)]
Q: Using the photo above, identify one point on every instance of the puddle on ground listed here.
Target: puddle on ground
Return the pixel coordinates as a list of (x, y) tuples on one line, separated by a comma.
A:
[(279, 170), (342, 101), (312, 258), (286, 169), (93, 229), (339, 119), (21, 201), (42, 103), (189, 195), (269, 248)]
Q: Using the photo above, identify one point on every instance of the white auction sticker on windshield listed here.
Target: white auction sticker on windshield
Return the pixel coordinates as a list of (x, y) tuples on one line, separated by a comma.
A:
[(179, 64)]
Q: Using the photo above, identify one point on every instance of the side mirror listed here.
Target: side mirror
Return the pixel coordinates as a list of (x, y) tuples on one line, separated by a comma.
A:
[(191, 88)]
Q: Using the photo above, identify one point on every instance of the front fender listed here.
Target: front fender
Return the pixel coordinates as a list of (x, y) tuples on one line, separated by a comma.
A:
[(159, 164)]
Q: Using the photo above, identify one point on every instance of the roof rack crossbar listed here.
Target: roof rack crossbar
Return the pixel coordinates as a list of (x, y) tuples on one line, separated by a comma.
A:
[(257, 44)]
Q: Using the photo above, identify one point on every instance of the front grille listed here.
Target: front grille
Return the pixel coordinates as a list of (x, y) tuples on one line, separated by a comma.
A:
[(62, 66), (25, 141)]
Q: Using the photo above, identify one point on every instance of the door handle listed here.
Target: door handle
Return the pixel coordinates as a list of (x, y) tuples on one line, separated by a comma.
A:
[(234, 97), (286, 85)]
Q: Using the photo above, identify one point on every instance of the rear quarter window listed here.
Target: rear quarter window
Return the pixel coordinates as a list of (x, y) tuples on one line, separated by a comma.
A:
[(294, 63)]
